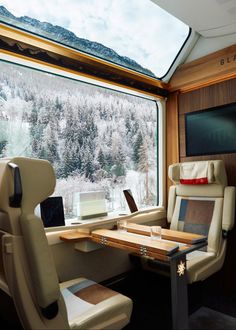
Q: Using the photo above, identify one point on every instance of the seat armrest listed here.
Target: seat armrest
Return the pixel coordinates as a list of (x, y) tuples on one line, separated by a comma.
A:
[(171, 203), (228, 208)]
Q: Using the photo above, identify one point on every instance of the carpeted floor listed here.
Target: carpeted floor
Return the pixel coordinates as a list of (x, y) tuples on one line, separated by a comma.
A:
[(150, 292), (208, 319)]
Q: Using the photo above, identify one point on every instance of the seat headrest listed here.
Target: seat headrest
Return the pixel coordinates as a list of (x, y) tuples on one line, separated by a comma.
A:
[(199, 172), (37, 181)]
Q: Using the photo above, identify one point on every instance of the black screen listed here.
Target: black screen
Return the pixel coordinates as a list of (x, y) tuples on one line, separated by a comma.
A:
[(52, 212), (211, 131)]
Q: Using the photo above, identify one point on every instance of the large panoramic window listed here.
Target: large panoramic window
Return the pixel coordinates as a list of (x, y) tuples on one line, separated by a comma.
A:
[(97, 139), (136, 34)]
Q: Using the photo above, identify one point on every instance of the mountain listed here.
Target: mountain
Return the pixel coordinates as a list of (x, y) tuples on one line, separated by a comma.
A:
[(5, 12), (64, 36)]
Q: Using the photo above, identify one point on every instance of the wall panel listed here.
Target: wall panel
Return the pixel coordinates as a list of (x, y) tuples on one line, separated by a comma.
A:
[(172, 136), (200, 99), (203, 98)]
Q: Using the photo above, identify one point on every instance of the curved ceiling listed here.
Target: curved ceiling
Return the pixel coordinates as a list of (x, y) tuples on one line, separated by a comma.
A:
[(210, 18)]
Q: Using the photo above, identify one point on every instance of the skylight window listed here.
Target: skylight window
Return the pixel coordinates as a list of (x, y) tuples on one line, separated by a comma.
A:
[(134, 34)]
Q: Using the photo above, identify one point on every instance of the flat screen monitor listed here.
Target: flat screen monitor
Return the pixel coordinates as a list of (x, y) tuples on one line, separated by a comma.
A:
[(52, 212), (211, 131), (130, 200)]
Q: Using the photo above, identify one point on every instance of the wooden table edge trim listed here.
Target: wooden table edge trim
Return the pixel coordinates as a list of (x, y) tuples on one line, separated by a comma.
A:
[(74, 237), (127, 243), (132, 249)]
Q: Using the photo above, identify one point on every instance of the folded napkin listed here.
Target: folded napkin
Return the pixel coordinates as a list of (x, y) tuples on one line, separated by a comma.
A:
[(196, 173)]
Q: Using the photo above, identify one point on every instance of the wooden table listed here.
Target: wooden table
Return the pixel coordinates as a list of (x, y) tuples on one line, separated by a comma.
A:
[(170, 250)]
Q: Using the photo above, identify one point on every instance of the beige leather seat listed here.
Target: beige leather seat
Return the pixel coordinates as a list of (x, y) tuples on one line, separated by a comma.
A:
[(27, 271), (201, 202)]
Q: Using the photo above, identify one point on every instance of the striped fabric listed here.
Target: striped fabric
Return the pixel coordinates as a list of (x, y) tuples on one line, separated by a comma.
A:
[(196, 173), (80, 297)]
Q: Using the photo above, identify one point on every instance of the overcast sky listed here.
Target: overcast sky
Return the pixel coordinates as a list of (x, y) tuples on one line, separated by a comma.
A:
[(138, 29)]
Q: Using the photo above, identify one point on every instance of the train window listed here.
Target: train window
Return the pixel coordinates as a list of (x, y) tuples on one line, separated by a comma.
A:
[(97, 139), (137, 35)]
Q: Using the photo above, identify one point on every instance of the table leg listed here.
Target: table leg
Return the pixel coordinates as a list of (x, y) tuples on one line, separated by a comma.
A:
[(179, 294)]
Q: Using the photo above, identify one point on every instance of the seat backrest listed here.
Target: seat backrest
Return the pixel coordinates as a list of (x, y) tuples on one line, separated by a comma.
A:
[(27, 261), (200, 200)]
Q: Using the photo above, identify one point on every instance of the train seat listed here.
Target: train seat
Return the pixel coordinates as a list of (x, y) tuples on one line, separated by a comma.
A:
[(28, 273), (201, 202)]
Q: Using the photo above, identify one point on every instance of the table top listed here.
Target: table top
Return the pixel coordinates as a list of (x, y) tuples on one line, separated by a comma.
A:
[(168, 234), (137, 240)]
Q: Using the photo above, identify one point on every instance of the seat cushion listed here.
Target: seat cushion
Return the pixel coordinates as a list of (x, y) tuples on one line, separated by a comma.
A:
[(201, 265), (93, 306)]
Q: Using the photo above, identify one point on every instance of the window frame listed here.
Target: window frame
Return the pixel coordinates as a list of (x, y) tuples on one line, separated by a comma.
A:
[(190, 32), (160, 102), (25, 44)]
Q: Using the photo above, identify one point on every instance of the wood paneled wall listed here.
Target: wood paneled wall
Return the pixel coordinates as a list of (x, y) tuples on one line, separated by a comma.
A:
[(202, 84), (210, 69), (200, 99), (172, 140)]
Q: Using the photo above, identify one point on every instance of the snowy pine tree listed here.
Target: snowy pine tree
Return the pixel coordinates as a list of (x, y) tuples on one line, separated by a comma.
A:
[(94, 137)]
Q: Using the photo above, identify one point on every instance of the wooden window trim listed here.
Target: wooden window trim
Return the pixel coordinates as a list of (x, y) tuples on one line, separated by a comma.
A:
[(47, 52)]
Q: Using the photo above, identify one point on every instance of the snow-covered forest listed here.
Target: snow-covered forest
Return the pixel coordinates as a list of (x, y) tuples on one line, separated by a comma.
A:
[(96, 139)]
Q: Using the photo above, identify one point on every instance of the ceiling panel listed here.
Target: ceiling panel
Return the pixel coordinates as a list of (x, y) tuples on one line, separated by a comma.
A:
[(210, 18)]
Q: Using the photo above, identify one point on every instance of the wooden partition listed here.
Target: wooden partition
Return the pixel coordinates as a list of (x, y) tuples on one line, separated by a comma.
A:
[(211, 96), (213, 87), (172, 129), (200, 99)]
